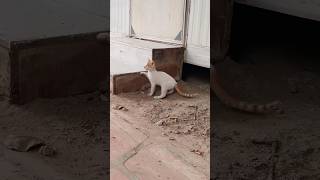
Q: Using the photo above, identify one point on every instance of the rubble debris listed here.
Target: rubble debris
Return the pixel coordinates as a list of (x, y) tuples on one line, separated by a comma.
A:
[(161, 123), (47, 150), (197, 151), (22, 143), (164, 134), (27, 143), (119, 107)]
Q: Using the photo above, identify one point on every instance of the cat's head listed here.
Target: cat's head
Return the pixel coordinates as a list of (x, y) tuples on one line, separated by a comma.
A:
[(150, 66)]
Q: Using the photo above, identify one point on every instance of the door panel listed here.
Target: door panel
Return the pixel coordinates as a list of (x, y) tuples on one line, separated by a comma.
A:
[(198, 39), (158, 20)]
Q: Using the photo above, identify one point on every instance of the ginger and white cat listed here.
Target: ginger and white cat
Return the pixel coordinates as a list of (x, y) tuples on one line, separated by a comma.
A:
[(168, 84)]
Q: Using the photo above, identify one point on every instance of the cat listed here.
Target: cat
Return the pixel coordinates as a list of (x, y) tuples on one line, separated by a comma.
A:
[(168, 84), (229, 101)]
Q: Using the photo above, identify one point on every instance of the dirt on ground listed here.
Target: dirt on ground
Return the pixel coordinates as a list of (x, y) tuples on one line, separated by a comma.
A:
[(271, 146), (74, 126), (183, 120)]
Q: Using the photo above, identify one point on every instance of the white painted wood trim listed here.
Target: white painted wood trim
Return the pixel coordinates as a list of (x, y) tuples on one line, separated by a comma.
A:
[(119, 17), (199, 56), (198, 33)]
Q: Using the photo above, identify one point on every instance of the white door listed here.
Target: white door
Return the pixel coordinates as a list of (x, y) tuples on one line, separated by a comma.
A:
[(161, 20), (198, 39)]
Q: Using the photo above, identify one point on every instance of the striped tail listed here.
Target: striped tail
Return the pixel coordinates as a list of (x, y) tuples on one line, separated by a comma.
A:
[(181, 92), (229, 101)]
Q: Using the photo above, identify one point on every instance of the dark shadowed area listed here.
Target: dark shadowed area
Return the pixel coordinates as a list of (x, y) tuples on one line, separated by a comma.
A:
[(276, 58)]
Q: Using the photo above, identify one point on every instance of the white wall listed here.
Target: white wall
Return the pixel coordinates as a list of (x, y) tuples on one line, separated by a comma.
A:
[(198, 30), (119, 17), (198, 36)]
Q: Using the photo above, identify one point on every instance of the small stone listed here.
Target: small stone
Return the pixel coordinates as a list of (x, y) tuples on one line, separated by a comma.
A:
[(187, 131), (172, 138), (161, 123), (119, 107), (164, 134), (47, 150), (196, 151)]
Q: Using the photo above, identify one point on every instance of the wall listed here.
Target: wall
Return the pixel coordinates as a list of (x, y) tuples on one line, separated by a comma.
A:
[(198, 29), (119, 17)]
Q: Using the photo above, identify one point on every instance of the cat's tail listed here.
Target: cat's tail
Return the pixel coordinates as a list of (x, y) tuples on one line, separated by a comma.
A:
[(229, 101), (181, 92)]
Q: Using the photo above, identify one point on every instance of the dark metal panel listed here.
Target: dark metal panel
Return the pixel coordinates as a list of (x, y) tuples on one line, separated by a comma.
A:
[(41, 19), (221, 27)]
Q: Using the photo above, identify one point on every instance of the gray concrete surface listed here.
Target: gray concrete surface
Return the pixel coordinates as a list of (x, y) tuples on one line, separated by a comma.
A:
[(39, 19)]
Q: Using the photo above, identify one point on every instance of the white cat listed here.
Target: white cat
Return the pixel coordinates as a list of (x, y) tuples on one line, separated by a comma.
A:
[(168, 84)]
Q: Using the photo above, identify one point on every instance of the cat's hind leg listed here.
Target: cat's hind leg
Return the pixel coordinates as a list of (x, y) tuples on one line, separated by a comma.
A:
[(152, 89), (163, 93), (170, 91)]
